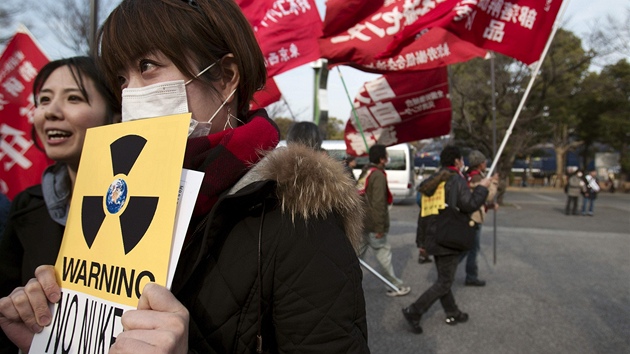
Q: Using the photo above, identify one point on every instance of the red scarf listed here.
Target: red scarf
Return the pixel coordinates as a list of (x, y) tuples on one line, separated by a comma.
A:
[(455, 169), (227, 155)]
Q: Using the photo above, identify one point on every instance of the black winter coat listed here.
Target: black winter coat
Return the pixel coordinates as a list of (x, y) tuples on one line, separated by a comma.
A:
[(278, 255), (31, 238)]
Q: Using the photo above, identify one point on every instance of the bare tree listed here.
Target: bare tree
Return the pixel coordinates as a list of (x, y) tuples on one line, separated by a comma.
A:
[(611, 38), (8, 12), (70, 20)]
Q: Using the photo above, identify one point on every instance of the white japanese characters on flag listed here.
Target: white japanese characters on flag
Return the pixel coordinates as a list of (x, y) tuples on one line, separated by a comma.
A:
[(517, 28), (286, 30), (399, 107), (21, 163), (364, 38)]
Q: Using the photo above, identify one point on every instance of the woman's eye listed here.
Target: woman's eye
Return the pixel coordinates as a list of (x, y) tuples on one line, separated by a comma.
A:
[(42, 99), (75, 98), (146, 65)]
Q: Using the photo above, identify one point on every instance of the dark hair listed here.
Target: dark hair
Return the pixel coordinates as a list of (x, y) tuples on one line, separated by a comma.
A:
[(203, 31), (79, 66), (449, 154), (377, 152), (305, 133)]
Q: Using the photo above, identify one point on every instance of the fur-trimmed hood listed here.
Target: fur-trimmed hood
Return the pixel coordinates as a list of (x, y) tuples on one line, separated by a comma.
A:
[(310, 184)]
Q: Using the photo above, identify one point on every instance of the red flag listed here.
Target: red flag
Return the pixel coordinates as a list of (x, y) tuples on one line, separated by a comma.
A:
[(268, 95), (360, 40), (287, 31), (400, 107), (343, 14), (21, 162), (518, 29)]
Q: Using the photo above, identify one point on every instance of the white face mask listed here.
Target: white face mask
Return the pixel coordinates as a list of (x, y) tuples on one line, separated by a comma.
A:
[(161, 99)]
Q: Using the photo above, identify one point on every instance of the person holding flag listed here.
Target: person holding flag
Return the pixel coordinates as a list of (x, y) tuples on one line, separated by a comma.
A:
[(477, 164)]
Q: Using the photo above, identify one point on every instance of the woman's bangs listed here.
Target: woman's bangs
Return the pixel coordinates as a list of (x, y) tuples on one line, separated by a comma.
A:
[(122, 43)]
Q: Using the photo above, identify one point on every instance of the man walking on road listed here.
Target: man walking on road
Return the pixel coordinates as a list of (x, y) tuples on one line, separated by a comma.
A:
[(450, 184), (373, 185)]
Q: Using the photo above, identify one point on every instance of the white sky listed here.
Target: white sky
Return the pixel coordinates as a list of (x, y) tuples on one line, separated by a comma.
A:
[(296, 85)]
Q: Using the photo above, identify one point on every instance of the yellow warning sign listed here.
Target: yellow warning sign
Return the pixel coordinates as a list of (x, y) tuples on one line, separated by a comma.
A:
[(120, 225)]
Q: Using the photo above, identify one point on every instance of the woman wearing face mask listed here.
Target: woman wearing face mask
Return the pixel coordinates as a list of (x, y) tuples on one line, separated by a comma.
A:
[(70, 97), (269, 264)]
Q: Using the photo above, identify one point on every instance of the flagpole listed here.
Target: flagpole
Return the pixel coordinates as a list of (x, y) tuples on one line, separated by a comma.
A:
[(378, 275), (494, 153), (354, 111), (508, 132), (317, 66)]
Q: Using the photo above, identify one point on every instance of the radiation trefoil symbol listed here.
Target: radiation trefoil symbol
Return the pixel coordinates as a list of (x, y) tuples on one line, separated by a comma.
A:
[(135, 213)]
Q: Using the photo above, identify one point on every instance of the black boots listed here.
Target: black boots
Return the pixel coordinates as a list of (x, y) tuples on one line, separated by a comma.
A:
[(413, 318)]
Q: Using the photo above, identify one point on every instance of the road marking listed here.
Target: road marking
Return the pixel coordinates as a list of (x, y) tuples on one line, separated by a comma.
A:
[(544, 197)]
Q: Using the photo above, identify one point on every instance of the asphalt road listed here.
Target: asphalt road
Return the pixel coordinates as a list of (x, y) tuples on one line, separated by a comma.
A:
[(560, 284)]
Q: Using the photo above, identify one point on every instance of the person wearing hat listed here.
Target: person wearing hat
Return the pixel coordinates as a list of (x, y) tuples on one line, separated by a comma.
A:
[(477, 164)]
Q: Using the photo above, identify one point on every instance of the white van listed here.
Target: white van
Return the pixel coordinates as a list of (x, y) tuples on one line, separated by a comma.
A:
[(401, 176)]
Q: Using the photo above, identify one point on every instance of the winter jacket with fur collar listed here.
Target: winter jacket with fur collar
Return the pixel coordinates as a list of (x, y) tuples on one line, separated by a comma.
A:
[(276, 257)]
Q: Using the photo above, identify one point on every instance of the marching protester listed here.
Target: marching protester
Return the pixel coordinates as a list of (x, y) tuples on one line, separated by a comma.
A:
[(373, 186), (453, 193), (591, 188), (70, 96), (475, 174), (574, 188), (269, 263)]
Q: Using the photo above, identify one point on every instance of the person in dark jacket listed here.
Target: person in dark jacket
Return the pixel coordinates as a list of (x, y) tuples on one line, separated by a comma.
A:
[(269, 264), (446, 259), (70, 97)]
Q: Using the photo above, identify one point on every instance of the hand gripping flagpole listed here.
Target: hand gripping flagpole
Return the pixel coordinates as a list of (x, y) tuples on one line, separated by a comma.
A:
[(529, 87), (379, 276)]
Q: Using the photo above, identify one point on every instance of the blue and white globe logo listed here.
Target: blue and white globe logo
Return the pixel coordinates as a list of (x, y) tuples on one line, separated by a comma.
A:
[(116, 196)]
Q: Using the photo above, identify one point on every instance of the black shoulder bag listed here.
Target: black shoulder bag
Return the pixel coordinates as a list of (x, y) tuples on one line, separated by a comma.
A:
[(455, 229)]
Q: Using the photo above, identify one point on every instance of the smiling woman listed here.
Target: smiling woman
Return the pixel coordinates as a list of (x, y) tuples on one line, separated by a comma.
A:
[(70, 98)]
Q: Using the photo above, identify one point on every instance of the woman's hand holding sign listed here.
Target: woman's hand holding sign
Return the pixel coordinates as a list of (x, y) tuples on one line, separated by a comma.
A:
[(159, 325), (25, 311)]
